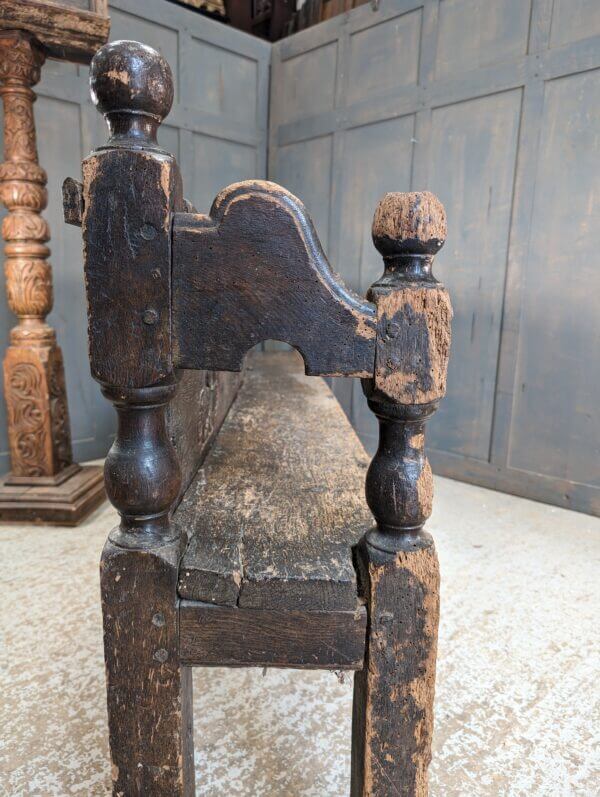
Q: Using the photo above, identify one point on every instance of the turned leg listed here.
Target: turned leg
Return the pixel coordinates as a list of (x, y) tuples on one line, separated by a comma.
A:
[(399, 574), (397, 563), (149, 693)]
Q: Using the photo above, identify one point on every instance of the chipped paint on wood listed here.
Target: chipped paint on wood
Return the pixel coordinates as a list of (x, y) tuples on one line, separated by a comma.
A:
[(396, 689), (413, 343), (127, 251), (413, 221), (121, 76), (66, 32)]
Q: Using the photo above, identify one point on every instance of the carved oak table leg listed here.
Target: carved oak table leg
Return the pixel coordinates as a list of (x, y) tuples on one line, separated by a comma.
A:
[(130, 190), (44, 484), (398, 567)]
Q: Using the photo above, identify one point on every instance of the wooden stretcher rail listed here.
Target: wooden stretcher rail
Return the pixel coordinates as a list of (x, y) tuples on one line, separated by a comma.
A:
[(229, 636)]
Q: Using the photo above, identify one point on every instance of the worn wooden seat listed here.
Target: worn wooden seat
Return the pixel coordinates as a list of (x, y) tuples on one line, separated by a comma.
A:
[(274, 512), (244, 536)]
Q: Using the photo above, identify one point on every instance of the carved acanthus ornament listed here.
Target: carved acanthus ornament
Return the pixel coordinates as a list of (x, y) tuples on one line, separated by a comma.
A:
[(38, 421)]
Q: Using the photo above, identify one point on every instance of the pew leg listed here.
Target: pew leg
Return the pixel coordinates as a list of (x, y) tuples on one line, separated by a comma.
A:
[(149, 693), (393, 694)]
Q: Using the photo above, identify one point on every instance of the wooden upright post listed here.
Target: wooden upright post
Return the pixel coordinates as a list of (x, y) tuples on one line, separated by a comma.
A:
[(393, 697), (44, 484), (130, 190)]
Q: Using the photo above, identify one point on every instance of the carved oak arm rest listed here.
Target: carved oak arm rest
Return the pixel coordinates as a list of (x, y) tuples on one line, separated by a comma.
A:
[(171, 288)]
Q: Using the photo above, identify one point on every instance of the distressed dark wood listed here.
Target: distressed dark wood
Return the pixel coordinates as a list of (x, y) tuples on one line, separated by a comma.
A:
[(149, 692), (64, 31), (130, 189), (72, 194), (278, 505), (275, 519), (195, 415), (399, 572), (254, 270), (231, 636)]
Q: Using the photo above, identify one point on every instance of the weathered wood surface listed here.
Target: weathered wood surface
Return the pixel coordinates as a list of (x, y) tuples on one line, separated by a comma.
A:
[(413, 308), (413, 347), (65, 32), (253, 271), (274, 516), (232, 636), (129, 192), (398, 569), (149, 693), (195, 415), (393, 694), (279, 502), (137, 222)]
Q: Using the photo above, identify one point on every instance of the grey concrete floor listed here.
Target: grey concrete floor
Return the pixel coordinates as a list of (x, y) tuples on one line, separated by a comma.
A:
[(517, 709)]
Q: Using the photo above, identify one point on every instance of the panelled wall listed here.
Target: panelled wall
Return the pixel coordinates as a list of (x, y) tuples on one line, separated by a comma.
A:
[(217, 129), (495, 106)]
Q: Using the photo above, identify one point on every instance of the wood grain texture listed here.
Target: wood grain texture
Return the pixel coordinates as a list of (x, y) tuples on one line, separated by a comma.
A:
[(413, 308), (137, 223), (393, 694), (412, 222), (413, 347), (66, 32), (148, 691), (195, 415), (398, 569), (253, 271), (232, 636), (34, 381), (413, 344), (282, 503), (64, 503), (129, 319)]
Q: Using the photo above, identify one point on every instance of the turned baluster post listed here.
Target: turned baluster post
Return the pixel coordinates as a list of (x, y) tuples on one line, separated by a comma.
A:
[(34, 384), (393, 705), (130, 190)]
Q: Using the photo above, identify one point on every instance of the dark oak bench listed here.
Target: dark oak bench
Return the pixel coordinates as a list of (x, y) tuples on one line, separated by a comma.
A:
[(244, 536), (272, 518)]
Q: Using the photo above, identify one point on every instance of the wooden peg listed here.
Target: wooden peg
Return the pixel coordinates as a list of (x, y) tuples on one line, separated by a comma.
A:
[(393, 705), (72, 192)]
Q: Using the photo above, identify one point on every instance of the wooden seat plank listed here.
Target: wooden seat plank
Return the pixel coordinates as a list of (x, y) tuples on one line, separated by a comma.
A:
[(273, 514)]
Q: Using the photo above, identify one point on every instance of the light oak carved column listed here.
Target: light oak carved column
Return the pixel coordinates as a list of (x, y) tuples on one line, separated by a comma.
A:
[(34, 384), (34, 381)]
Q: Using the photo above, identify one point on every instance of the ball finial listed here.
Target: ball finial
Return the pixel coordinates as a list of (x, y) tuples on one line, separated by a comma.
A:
[(413, 223), (129, 79)]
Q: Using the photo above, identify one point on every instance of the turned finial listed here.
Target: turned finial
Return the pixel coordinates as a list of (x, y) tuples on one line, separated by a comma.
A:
[(411, 358), (132, 85), (413, 223)]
